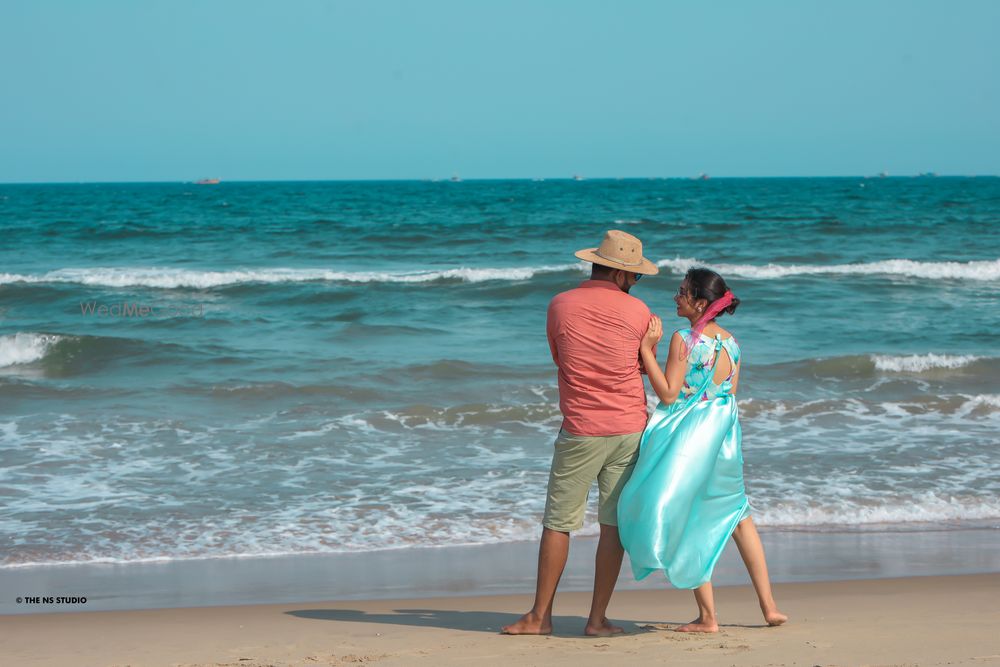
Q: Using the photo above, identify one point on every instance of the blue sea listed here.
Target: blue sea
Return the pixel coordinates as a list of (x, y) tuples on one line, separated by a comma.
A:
[(205, 371)]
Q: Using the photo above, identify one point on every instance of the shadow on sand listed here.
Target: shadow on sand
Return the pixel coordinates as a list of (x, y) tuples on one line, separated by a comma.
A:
[(481, 621)]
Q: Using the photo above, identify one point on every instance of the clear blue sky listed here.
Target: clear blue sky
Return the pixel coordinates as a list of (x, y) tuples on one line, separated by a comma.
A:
[(99, 90)]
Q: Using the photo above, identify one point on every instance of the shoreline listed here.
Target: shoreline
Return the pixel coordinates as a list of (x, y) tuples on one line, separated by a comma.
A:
[(901, 621), (480, 570)]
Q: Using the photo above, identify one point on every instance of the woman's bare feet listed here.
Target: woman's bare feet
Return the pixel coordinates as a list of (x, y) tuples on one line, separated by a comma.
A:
[(700, 625), (604, 629), (529, 624), (774, 617)]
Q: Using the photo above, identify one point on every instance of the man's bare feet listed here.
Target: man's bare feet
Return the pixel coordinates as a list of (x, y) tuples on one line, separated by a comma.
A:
[(774, 617), (699, 625), (529, 624), (605, 629)]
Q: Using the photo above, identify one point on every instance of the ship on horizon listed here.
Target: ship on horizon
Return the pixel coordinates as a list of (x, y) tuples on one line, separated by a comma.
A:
[(207, 181)]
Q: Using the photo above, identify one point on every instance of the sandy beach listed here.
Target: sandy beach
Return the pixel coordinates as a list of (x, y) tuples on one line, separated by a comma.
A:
[(907, 621)]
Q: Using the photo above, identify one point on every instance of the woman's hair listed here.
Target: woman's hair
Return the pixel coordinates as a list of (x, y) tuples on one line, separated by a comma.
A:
[(707, 284)]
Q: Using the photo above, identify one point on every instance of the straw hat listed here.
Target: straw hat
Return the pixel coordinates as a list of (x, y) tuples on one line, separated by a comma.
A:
[(619, 251)]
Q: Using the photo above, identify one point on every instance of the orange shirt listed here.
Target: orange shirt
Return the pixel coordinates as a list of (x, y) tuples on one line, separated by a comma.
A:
[(594, 332)]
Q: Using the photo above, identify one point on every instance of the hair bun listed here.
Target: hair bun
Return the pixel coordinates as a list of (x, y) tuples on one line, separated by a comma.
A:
[(731, 308)]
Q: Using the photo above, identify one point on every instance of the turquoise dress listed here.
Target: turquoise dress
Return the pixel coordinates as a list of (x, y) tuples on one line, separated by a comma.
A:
[(686, 493)]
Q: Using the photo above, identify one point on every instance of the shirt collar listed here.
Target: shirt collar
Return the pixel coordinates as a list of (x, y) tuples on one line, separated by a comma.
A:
[(601, 284)]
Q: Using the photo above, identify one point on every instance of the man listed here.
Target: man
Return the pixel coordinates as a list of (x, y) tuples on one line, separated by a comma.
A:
[(594, 332)]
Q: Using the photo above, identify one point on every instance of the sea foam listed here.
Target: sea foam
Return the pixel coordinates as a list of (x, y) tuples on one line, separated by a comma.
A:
[(974, 270), (935, 508), (918, 363), (173, 278), (24, 348)]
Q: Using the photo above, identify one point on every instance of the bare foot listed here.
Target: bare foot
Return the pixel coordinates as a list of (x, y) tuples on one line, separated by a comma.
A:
[(605, 629), (529, 624), (698, 625), (774, 617)]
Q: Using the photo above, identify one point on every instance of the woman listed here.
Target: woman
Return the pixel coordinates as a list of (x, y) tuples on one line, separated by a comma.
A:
[(686, 495)]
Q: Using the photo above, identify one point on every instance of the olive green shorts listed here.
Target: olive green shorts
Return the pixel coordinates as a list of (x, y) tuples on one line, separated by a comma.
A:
[(579, 460)]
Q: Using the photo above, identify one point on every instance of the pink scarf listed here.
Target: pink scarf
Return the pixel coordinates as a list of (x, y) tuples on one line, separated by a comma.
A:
[(717, 307)]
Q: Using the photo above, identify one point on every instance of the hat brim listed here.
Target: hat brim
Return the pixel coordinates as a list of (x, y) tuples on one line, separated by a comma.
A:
[(646, 267)]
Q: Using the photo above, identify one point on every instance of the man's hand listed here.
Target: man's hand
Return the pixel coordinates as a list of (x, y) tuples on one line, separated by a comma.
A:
[(653, 334)]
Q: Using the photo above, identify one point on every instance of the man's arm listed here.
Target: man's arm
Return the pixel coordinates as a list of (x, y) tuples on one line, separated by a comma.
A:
[(550, 334)]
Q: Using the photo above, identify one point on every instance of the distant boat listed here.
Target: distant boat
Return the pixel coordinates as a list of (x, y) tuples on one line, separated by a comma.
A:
[(928, 174), (702, 177), (883, 174), (207, 181), (455, 179), (577, 177)]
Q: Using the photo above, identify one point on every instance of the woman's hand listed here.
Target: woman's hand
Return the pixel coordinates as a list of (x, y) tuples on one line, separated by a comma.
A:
[(653, 334)]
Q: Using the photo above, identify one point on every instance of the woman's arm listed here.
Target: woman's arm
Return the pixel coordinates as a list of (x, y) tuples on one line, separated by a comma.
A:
[(736, 377), (666, 385)]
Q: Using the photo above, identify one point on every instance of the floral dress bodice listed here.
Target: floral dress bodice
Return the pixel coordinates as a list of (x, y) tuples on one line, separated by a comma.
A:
[(701, 365)]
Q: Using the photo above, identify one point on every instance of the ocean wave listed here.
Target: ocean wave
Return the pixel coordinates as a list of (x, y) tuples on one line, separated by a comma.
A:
[(15, 387), (397, 529), (25, 348), (60, 355), (980, 270), (847, 366), (950, 406), (542, 416), (918, 363), (172, 278), (871, 365), (457, 369), (982, 403), (928, 508), (300, 482), (364, 527), (276, 390), (468, 418)]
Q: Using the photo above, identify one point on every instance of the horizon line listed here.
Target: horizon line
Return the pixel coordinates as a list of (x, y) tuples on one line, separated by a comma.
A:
[(453, 179)]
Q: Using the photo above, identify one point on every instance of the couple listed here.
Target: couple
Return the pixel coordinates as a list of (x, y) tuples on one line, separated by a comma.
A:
[(671, 487)]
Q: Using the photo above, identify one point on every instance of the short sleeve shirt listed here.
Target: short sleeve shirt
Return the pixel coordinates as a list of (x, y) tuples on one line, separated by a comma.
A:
[(594, 332)]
